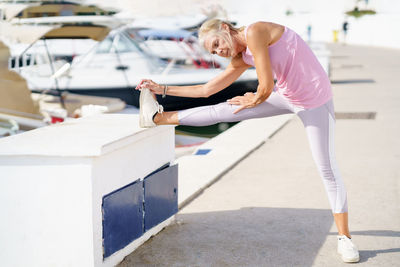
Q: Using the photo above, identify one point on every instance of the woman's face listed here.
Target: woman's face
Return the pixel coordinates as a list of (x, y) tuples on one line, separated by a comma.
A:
[(217, 45)]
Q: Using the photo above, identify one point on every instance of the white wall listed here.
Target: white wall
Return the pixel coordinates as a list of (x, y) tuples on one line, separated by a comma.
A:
[(378, 30), (44, 199), (374, 30), (52, 181)]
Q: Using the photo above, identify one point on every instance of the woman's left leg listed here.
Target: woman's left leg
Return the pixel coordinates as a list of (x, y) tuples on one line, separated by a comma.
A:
[(320, 124)]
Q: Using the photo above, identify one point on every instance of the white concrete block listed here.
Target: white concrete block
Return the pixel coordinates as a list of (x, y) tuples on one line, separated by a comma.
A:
[(53, 179)]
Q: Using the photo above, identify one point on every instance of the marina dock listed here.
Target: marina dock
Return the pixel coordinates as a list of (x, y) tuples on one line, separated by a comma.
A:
[(83, 188)]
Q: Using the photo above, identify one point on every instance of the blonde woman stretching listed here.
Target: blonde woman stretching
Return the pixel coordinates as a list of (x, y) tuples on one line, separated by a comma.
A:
[(302, 87)]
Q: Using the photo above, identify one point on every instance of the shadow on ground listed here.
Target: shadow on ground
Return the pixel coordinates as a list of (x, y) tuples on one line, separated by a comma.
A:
[(365, 255), (377, 233), (353, 81), (250, 236)]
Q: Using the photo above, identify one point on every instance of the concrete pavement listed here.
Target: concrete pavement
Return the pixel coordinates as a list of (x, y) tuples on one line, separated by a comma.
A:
[(271, 208)]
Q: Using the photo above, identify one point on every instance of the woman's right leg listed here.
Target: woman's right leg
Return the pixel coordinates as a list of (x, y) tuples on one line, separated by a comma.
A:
[(223, 112)]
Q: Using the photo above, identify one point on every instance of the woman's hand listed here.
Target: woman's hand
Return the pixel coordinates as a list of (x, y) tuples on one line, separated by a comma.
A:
[(248, 100), (149, 84)]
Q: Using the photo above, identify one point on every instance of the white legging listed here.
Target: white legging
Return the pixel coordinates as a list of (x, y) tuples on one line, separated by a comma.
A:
[(319, 124)]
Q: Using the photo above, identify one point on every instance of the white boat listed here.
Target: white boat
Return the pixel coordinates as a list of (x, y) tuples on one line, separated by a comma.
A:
[(177, 46), (182, 22), (113, 68), (22, 21), (20, 109), (117, 65)]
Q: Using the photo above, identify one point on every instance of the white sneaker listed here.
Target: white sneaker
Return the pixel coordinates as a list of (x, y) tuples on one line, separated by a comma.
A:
[(347, 249), (148, 108)]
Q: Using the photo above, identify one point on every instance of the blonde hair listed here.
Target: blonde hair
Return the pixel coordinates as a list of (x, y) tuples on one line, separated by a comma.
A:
[(214, 27)]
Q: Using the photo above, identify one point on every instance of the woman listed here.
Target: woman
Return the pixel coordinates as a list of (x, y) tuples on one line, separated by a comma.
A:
[(302, 87)]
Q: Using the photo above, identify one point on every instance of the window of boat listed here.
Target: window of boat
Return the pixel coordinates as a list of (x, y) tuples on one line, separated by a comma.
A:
[(66, 12), (124, 44), (105, 45)]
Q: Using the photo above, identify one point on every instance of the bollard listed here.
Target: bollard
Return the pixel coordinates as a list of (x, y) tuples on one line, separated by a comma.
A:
[(335, 36)]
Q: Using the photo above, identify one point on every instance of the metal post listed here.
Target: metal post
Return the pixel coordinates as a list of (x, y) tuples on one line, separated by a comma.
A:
[(53, 71)]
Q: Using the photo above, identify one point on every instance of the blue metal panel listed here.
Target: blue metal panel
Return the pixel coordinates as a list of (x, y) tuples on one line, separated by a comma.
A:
[(122, 217), (203, 151), (160, 196)]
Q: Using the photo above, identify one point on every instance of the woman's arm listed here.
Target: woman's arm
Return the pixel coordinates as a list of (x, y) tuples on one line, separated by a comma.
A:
[(220, 82), (258, 40)]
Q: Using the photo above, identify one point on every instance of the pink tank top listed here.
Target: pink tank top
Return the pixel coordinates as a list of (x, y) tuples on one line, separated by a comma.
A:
[(299, 75)]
